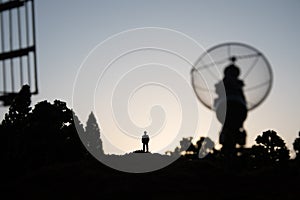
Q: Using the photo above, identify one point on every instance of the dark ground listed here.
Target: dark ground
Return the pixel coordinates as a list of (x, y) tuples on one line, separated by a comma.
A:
[(182, 179)]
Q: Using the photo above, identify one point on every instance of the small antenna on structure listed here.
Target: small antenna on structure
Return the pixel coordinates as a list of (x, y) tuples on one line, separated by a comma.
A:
[(233, 59)]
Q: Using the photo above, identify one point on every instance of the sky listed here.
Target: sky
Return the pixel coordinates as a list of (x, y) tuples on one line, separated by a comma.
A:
[(70, 30)]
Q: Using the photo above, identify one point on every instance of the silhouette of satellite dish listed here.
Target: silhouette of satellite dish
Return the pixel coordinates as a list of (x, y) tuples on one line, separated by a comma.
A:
[(255, 71), (18, 64)]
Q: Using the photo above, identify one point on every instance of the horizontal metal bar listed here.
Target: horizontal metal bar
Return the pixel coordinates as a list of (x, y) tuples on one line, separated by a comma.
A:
[(11, 4), (17, 53)]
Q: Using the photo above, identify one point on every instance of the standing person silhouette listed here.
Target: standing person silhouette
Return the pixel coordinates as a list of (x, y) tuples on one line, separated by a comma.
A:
[(145, 141), (231, 110)]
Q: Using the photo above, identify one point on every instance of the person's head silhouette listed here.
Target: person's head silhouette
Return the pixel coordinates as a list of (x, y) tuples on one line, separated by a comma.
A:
[(232, 71), (145, 132)]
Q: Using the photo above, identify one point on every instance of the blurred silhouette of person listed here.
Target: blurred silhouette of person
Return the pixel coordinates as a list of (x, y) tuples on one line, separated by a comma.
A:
[(231, 109), (145, 141)]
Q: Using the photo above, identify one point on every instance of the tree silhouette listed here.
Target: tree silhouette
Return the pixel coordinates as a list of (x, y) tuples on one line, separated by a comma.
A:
[(187, 149), (51, 133), (13, 127), (270, 150), (19, 110), (177, 152), (92, 131), (54, 130), (205, 146), (185, 145), (296, 146), (32, 138)]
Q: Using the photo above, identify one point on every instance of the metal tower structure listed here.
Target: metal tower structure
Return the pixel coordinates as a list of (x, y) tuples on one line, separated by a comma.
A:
[(18, 62)]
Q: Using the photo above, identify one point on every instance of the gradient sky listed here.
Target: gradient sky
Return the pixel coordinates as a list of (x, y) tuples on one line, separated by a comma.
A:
[(67, 30)]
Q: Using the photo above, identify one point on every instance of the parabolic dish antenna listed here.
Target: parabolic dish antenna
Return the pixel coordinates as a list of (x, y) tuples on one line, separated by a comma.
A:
[(255, 71)]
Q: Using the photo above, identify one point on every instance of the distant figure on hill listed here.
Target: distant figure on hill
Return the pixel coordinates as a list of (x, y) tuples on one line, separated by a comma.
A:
[(145, 141)]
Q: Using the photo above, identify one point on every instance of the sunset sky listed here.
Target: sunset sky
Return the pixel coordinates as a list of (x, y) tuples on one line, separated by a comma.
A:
[(67, 32)]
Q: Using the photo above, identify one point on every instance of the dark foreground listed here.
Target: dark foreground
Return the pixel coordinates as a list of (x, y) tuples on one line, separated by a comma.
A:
[(181, 180)]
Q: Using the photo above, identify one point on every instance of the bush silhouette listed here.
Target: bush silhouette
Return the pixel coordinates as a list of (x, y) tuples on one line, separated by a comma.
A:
[(32, 138), (13, 127), (205, 146), (187, 149), (53, 133), (270, 150), (296, 146), (19, 110)]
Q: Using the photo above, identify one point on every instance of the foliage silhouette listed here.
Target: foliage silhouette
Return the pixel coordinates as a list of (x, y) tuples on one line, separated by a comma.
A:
[(53, 131), (203, 147), (296, 146), (19, 110), (92, 132), (13, 127), (48, 135), (270, 150), (185, 145), (32, 138)]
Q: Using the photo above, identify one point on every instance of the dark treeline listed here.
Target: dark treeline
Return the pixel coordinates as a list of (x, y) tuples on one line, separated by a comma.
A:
[(44, 135), (270, 150), (48, 134)]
